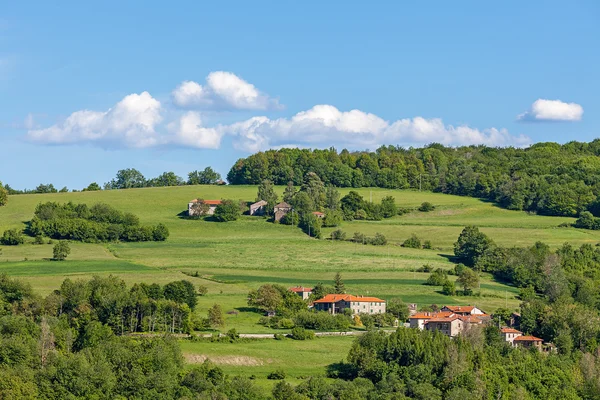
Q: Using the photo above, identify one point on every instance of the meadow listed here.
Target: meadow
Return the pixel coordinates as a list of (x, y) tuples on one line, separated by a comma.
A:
[(235, 257)]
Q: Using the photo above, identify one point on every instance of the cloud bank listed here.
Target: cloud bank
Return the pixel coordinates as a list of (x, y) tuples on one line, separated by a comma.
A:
[(552, 110), (223, 90)]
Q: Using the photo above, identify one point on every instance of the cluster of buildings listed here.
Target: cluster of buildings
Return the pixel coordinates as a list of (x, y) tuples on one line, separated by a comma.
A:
[(258, 209)]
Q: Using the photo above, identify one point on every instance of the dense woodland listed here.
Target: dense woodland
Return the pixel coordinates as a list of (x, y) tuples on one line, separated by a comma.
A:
[(547, 178)]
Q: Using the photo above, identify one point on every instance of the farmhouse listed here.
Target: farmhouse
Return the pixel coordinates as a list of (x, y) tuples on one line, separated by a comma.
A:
[(212, 205), (463, 310), (451, 320), (528, 342), (281, 209), (510, 334), (302, 291), (337, 303), (318, 214), (258, 208)]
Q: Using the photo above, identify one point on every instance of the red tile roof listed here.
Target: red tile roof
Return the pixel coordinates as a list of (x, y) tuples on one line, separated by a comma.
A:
[(461, 309), (427, 315), (509, 330), (443, 319), (300, 289), (209, 202), (473, 319), (528, 339), (334, 298), (318, 213)]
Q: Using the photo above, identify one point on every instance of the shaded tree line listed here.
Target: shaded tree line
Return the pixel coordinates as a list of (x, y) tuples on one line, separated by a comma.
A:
[(547, 178)]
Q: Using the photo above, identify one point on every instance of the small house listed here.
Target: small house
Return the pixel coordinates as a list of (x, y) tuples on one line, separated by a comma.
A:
[(302, 291), (212, 205), (450, 326), (337, 303), (510, 334), (528, 342), (258, 208), (463, 310), (318, 214), (281, 209)]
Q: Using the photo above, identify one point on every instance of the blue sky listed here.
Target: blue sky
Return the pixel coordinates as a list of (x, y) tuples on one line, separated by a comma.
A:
[(88, 89)]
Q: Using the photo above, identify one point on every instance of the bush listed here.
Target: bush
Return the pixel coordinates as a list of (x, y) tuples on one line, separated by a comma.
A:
[(232, 335), (61, 250), (299, 333), (425, 268), (412, 242), (12, 237), (202, 290), (359, 238), (278, 374), (285, 323), (427, 245), (338, 234), (426, 207), (39, 239), (291, 218), (228, 210), (437, 278), (378, 240), (448, 288)]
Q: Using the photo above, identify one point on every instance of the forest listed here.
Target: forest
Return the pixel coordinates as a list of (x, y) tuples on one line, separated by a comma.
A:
[(546, 178)]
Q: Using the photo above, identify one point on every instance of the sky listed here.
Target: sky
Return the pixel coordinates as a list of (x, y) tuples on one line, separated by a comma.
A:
[(89, 88)]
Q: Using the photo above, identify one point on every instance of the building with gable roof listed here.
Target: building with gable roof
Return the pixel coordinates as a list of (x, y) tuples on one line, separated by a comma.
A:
[(337, 303)]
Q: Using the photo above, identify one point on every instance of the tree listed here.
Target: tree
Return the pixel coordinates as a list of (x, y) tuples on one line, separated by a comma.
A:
[(61, 250), (315, 189), (216, 317), (127, 179), (228, 210), (352, 202), (302, 203), (398, 308), (266, 192), (332, 198), (45, 188), (339, 286), (469, 280), (388, 207), (181, 292), (471, 245), (448, 288), (266, 297), (413, 242), (199, 209), (289, 192), (206, 177), (92, 187), (166, 179), (12, 237), (3, 195)]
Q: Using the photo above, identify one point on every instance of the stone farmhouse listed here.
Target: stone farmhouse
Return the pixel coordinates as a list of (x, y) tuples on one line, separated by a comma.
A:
[(337, 303), (281, 209), (258, 208), (451, 320), (301, 291), (212, 205), (516, 338)]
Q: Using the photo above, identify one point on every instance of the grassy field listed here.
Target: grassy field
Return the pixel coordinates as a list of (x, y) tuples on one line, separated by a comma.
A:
[(233, 258)]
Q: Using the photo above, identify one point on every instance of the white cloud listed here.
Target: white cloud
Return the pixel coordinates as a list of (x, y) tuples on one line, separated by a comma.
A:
[(223, 90), (131, 121), (324, 125), (552, 110), (188, 131)]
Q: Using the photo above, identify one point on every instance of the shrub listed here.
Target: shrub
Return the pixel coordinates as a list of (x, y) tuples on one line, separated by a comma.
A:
[(12, 237), (360, 214), (412, 242), (359, 238), (338, 234), (285, 323), (448, 288), (202, 290), (299, 333), (291, 218), (378, 240), (425, 268), (61, 250), (437, 278), (232, 335), (228, 210), (427, 245), (426, 207), (278, 374), (39, 239), (161, 233)]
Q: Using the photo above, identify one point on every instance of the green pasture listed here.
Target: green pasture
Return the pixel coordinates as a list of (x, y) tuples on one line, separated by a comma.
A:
[(239, 256)]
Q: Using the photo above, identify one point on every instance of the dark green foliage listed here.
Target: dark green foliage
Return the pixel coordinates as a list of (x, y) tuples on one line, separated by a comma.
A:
[(278, 374), (359, 238), (437, 278), (3, 195), (45, 188), (92, 187), (338, 234), (398, 309), (338, 286), (426, 207), (471, 245), (12, 237), (127, 179), (291, 218), (165, 179), (311, 224), (227, 211), (100, 223), (322, 321), (299, 333), (216, 317), (266, 192), (61, 250), (469, 280), (378, 240), (388, 207), (206, 177), (333, 218), (587, 220), (412, 242), (448, 288), (181, 292)]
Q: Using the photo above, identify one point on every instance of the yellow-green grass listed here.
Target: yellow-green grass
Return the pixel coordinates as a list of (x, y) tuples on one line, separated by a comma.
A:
[(252, 251), (257, 358)]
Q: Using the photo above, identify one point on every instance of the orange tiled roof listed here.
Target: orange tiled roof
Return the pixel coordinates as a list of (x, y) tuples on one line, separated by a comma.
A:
[(334, 298), (467, 309), (427, 315), (528, 339), (443, 319), (300, 289), (473, 319), (209, 202), (317, 213), (509, 330)]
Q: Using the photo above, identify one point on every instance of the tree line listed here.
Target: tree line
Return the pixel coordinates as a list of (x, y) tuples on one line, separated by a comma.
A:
[(547, 178)]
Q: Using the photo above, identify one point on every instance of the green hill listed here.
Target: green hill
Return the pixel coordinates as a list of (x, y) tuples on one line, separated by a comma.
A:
[(238, 256)]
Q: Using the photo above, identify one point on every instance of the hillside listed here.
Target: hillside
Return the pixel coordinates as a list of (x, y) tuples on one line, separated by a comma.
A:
[(241, 255)]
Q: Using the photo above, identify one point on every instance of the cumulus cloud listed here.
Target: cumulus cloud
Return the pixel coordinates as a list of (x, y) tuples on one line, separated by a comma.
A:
[(552, 110), (324, 125), (189, 132), (223, 90), (131, 121)]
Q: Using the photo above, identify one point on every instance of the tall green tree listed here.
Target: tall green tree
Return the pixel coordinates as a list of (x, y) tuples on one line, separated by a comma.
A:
[(228, 210), (216, 317), (166, 179), (61, 250), (266, 192), (338, 284), (289, 192), (127, 179), (471, 245), (469, 280), (206, 177), (3, 195), (332, 198), (315, 189)]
